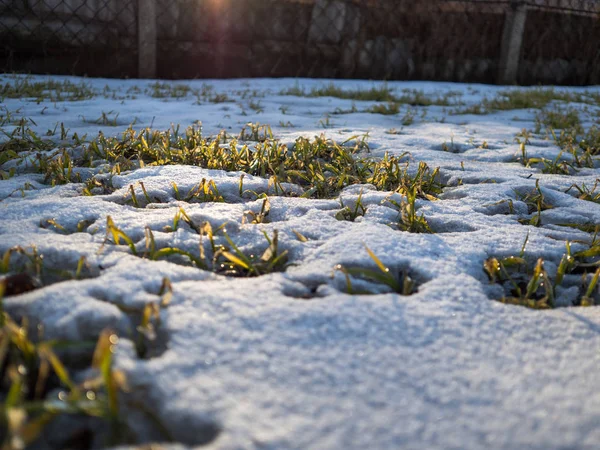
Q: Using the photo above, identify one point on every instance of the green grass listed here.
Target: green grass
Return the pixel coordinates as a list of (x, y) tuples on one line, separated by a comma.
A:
[(231, 261), (396, 281), (376, 93), (415, 97), (409, 220), (385, 108), (564, 126), (537, 98), (54, 91), (255, 132), (408, 117), (223, 255), (205, 191), (22, 139), (351, 214), (319, 165), (558, 165), (525, 98), (559, 119), (323, 167), (168, 90), (533, 98), (583, 192), (532, 286), (108, 119), (33, 368), (261, 216), (536, 203), (27, 267), (380, 93)]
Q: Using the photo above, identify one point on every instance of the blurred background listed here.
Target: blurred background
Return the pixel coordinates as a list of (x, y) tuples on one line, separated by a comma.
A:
[(524, 42)]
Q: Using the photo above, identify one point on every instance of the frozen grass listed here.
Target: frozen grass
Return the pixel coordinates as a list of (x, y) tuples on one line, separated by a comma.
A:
[(381, 93), (256, 245), (536, 98), (55, 91), (533, 287)]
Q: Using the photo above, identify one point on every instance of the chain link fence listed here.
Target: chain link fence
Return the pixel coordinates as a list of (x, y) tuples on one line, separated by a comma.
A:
[(529, 42), (561, 43), (92, 37)]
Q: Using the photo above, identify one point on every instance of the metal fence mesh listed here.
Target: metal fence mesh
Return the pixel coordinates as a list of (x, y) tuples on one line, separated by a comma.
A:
[(562, 43), (458, 40), (94, 37)]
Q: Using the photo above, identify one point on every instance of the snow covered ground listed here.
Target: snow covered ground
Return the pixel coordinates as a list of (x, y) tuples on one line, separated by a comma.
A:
[(290, 359)]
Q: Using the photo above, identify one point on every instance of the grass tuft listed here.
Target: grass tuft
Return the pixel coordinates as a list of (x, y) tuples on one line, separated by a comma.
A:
[(54, 91), (400, 283), (532, 286)]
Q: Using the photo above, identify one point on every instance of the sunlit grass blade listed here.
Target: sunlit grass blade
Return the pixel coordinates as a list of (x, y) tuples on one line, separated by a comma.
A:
[(117, 234)]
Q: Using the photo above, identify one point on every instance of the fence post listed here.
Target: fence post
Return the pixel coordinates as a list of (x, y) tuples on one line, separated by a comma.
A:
[(512, 40), (147, 38)]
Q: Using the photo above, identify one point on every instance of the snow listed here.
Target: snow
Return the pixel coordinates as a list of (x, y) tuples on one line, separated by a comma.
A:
[(289, 360)]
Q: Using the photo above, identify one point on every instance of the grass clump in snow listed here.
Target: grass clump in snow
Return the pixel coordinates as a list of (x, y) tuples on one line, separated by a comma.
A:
[(525, 98), (382, 275), (583, 192), (168, 90), (351, 214), (52, 224), (54, 91), (376, 93), (383, 93), (38, 386), (150, 320), (533, 98), (22, 139), (58, 169), (227, 257), (261, 216), (537, 98), (385, 108), (236, 263), (532, 290), (99, 184), (583, 146), (108, 119), (559, 119), (32, 370), (322, 167), (255, 132), (558, 165), (390, 174), (575, 282), (569, 134), (415, 97), (23, 269), (134, 198), (536, 203), (409, 220), (205, 191), (578, 146), (25, 150)]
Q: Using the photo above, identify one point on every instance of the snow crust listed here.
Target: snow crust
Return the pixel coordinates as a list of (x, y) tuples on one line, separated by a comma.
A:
[(288, 360)]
